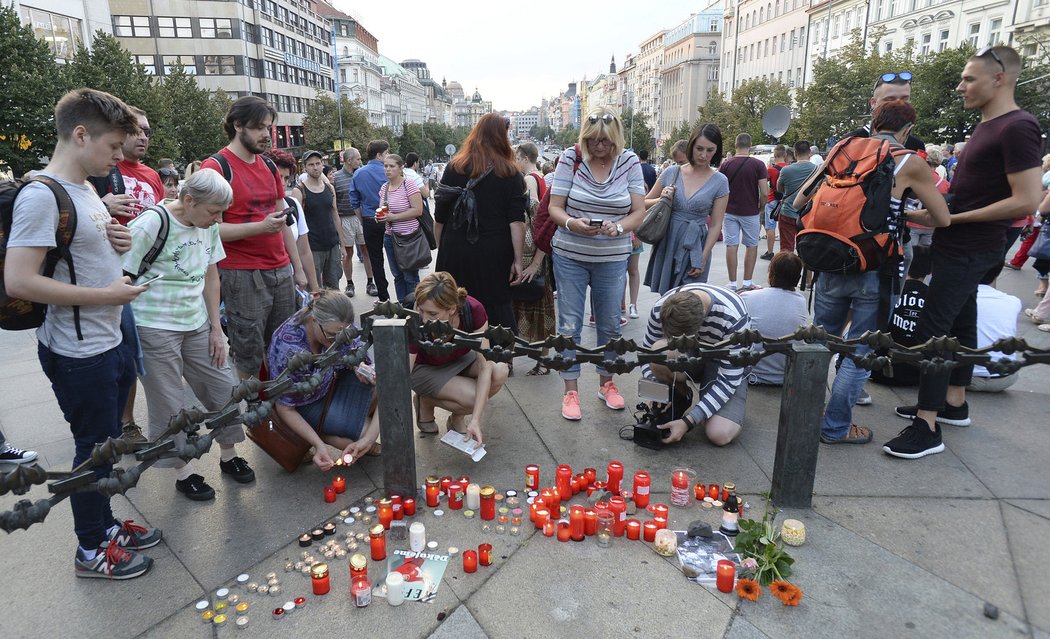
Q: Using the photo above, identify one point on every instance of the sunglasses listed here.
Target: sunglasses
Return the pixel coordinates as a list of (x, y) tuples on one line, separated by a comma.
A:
[(165, 173), (594, 117), (995, 56), (897, 76)]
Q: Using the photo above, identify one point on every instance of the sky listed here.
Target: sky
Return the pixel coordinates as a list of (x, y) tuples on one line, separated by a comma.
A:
[(516, 53)]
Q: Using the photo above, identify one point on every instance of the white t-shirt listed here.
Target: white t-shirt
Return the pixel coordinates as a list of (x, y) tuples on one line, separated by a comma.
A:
[(410, 174), (300, 228), (774, 313), (996, 318)]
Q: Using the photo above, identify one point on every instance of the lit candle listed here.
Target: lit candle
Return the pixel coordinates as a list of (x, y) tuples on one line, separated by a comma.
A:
[(473, 499), (564, 531), (591, 475), (329, 495), (386, 512), (563, 482), (713, 491), (699, 491), (660, 511), (487, 496), (579, 483), (681, 479), (433, 491), (618, 507), (532, 477), (642, 481), (649, 529), (590, 522), (552, 500), (358, 567), (485, 554), (548, 527), (446, 482), (576, 523), (542, 517), (464, 481), (793, 532), (470, 561), (408, 505), (615, 472), (725, 575), (339, 484), (634, 529)]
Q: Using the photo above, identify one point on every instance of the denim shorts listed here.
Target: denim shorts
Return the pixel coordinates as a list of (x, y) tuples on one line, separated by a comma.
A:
[(736, 225)]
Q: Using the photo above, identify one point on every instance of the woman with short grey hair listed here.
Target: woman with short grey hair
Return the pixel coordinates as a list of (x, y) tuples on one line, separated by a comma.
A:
[(178, 318)]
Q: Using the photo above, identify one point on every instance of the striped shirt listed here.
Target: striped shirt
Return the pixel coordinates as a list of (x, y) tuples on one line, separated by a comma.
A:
[(398, 200), (588, 198), (726, 316)]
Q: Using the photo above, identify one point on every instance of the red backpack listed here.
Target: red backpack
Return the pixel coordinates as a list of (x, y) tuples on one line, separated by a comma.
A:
[(543, 227), (850, 227)]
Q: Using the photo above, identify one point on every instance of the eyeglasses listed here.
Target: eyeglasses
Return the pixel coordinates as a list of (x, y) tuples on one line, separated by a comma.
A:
[(995, 56), (594, 117), (895, 76), (324, 333), (146, 131), (601, 142)]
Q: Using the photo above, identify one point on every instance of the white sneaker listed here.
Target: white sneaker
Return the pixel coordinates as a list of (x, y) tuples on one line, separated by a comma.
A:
[(632, 311)]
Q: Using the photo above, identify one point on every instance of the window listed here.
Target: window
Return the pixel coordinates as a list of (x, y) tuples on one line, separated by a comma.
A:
[(250, 32), (297, 105), (790, 83), (774, 44), (269, 70), (189, 65), (783, 41), (909, 43), (131, 26), (994, 27), (174, 28), (148, 62), (892, 9), (972, 33), (878, 10), (714, 26), (712, 48), (63, 34), (792, 38), (944, 40), (889, 46), (216, 28), (219, 65), (801, 35), (282, 72), (278, 41), (761, 16), (835, 26), (777, 7), (766, 54), (925, 49)]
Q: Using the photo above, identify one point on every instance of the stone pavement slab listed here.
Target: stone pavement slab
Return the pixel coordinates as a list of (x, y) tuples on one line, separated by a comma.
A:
[(1027, 533), (459, 625)]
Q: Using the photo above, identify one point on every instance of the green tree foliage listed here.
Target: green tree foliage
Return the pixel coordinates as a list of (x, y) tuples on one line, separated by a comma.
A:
[(413, 139), (29, 89), (537, 132), (639, 135), (681, 132), (567, 137), (942, 117), (196, 117), (750, 102), (321, 122)]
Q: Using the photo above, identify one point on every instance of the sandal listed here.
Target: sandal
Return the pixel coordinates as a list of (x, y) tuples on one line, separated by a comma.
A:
[(856, 435), (1044, 327), (428, 426), (1030, 314), (538, 369), (456, 423)]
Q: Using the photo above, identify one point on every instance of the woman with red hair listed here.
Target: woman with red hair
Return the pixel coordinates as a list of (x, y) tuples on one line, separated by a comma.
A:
[(482, 246)]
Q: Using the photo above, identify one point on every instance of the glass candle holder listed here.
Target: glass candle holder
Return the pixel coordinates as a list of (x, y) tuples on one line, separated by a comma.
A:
[(634, 529), (682, 480), (725, 575), (649, 530), (604, 531), (793, 532), (666, 542), (470, 561), (642, 483)]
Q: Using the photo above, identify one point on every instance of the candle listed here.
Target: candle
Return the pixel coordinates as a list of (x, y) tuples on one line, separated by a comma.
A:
[(661, 522), (386, 512), (455, 496), (660, 511), (618, 507), (603, 534), (713, 491), (417, 536), (730, 516), (361, 592), (591, 475), (533, 507), (548, 527), (793, 532), (358, 567), (649, 529), (542, 517), (464, 481), (339, 484), (329, 495), (473, 496), (305, 540), (728, 488), (576, 523), (552, 500), (319, 579), (642, 482), (590, 522), (579, 483), (470, 561), (377, 540), (485, 554), (563, 482), (487, 498), (564, 531), (634, 529), (615, 473), (681, 480), (725, 575), (329, 529), (699, 491), (446, 482), (532, 477), (395, 591), (433, 491), (408, 506)]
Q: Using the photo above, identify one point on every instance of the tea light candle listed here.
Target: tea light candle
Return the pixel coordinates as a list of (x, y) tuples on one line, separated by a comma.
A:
[(329, 495), (725, 574), (634, 529), (339, 484), (793, 532), (470, 561), (649, 530)]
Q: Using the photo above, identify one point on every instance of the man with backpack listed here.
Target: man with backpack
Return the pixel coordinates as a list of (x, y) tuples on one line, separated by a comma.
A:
[(748, 189), (256, 276), (317, 198), (80, 346), (996, 181), (860, 197), (789, 182)]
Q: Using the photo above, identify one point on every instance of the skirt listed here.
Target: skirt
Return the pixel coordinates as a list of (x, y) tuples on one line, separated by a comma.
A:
[(428, 380)]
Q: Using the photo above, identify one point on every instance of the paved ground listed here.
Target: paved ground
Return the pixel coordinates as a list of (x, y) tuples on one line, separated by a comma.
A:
[(895, 549)]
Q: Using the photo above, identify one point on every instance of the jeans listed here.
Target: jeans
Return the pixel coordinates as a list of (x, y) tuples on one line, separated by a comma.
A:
[(374, 240), (91, 391), (348, 410), (607, 281), (836, 297), (405, 282)]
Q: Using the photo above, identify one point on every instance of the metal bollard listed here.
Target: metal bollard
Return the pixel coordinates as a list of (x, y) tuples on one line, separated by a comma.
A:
[(798, 434), (390, 340)]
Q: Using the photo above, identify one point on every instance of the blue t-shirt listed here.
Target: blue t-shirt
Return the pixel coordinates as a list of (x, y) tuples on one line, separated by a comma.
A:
[(364, 187)]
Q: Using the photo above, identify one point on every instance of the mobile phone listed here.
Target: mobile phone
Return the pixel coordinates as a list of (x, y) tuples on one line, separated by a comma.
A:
[(654, 391), (594, 221), (149, 281), (289, 216)]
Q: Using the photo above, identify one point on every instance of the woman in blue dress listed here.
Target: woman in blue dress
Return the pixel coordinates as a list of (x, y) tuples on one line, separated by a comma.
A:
[(699, 194)]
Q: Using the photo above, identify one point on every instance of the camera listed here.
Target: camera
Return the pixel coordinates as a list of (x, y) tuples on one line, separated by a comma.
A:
[(665, 405)]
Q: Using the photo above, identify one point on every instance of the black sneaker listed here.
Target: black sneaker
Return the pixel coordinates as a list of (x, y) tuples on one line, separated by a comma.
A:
[(238, 469), (768, 255), (915, 441), (950, 415), (371, 289), (12, 455), (350, 290), (131, 535), (195, 488), (112, 562)]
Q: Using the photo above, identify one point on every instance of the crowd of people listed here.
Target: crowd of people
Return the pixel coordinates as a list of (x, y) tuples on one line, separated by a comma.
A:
[(246, 252)]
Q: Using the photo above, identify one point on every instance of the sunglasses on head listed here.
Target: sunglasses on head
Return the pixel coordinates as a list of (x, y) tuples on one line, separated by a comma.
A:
[(995, 56), (896, 76), (594, 117)]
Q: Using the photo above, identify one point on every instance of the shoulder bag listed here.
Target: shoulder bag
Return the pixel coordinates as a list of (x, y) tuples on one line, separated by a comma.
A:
[(279, 440), (1041, 248), (654, 226), (411, 250)]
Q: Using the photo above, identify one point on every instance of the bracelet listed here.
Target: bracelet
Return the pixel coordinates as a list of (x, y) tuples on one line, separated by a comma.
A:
[(569, 219)]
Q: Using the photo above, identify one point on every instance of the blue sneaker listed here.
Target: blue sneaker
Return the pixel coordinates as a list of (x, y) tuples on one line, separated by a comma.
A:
[(111, 562), (131, 535)]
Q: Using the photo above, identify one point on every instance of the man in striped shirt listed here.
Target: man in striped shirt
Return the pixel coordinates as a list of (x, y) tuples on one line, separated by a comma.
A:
[(711, 313)]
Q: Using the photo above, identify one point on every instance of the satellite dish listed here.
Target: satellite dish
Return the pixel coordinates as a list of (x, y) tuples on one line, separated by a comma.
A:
[(450, 149), (776, 121)]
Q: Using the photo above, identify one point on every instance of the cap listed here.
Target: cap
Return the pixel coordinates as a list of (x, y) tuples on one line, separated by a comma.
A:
[(309, 154)]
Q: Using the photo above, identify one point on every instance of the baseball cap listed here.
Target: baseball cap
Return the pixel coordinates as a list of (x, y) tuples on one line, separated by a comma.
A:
[(310, 154)]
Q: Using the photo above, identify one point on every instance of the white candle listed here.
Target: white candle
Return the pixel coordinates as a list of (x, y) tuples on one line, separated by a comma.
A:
[(473, 497), (395, 594)]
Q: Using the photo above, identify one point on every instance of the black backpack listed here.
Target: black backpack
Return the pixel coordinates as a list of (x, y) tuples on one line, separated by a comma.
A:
[(20, 315), (227, 170), (158, 244)]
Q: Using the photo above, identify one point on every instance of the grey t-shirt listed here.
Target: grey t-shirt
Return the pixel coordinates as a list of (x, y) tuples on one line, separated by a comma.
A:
[(774, 313), (35, 220), (791, 179)]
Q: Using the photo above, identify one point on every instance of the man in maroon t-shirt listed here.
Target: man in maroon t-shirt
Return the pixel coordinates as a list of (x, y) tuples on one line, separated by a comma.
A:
[(748, 189), (257, 276), (996, 181)]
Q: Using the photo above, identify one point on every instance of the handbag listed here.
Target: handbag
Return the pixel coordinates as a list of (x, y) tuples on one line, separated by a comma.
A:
[(654, 227), (543, 227), (426, 222), (530, 291), (1041, 248), (279, 440), (411, 250)]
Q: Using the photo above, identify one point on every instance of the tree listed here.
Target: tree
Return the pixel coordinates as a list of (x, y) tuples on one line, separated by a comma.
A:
[(196, 119), (682, 132), (942, 117), (321, 122), (567, 137), (639, 135), (413, 139), (750, 102), (718, 111), (537, 132), (29, 88)]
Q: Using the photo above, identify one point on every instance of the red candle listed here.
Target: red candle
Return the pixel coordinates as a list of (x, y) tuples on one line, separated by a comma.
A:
[(576, 523), (642, 482), (564, 531), (714, 491), (649, 529), (395, 499), (553, 501), (532, 477), (634, 529), (409, 506), (591, 475), (548, 527), (579, 483), (615, 472), (464, 481), (329, 494), (661, 522), (488, 503), (699, 491), (618, 507), (725, 575), (470, 561), (446, 481), (563, 482), (339, 484), (590, 522), (533, 507), (433, 491), (398, 512), (455, 496), (320, 579), (485, 554), (542, 517), (660, 511), (385, 512), (377, 541)]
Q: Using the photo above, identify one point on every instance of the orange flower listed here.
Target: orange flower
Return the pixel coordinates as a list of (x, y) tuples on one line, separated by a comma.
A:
[(788, 594), (748, 589), (795, 598)]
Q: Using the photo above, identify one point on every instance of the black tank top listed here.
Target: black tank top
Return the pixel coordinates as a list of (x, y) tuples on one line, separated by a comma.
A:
[(318, 210)]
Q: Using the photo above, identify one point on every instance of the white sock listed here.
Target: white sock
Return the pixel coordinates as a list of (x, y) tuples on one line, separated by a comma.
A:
[(182, 474), (88, 554), (748, 283), (112, 530), (226, 454), (733, 286)]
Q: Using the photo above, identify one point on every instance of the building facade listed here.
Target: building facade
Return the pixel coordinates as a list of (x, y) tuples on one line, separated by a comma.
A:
[(439, 105), (64, 24), (355, 57), (765, 39), (649, 81), (691, 67), (405, 100)]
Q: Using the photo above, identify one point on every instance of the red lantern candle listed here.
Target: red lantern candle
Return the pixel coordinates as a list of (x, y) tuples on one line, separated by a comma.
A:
[(564, 531), (649, 529), (533, 507), (358, 567), (548, 527), (433, 491), (576, 523), (320, 579), (377, 541), (591, 475), (532, 477), (395, 499), (446, 482), (714, 491), (399, 512), (725, 575), (661, 522), (699, 491), (642, 482), (488, 503), (329, 495), (470, 561), (485, 554), (385, 512), (542, 517), (553, 501), (590, 522), (409, 506), (615, 472), (579, 482), (618, 507), (634, 529), (680, 481), (455, 496), (464, 481), (339, 484), (660, 511), (563, 481)]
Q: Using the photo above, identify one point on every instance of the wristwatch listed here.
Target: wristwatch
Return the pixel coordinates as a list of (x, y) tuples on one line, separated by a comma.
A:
[(619, 229)]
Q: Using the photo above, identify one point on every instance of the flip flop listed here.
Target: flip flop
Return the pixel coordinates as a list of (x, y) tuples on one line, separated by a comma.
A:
[(538, 369), (450, 424)]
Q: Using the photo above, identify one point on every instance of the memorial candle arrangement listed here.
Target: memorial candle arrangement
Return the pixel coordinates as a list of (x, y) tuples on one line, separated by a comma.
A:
[(339, 484)]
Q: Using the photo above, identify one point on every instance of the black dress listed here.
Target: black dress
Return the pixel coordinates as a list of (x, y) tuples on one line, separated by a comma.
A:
[(483, 268)]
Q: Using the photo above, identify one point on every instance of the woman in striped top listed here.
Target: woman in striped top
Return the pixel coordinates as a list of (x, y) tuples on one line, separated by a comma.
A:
[(596, 201), (403, 205)]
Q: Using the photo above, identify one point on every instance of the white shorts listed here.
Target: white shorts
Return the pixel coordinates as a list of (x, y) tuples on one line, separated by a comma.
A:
[(736, 225), (353, 234)]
